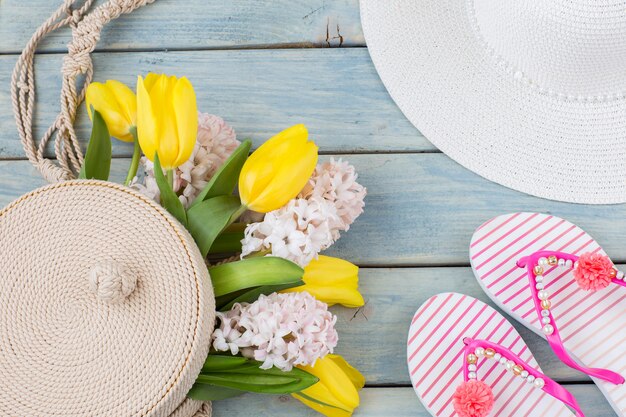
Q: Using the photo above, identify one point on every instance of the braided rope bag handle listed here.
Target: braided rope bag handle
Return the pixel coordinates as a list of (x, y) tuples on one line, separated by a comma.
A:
[(77, 73)]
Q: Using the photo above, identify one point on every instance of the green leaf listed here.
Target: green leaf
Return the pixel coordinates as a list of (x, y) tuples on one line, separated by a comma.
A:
[(169, 199), (295, 373), (205, 221), (254, 272), (270, 381), (97, 164), (221, 362), (229, 241), (225, 179), (316, 401), (248, 379), (222, 301), (206, 392), (243, 374), (251, 295)]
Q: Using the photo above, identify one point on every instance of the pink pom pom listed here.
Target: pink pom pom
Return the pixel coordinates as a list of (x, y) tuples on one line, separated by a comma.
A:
[(473, 399), (594, 271)]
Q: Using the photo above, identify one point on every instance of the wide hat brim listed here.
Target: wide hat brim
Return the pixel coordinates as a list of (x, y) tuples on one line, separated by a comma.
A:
[(475, 109)]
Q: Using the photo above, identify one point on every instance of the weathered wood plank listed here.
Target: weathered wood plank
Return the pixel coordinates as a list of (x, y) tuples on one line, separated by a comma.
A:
[(425, 201), (377, 402), (169, 24), (373, 338), (393, 294), (421, 209), (336, 92)]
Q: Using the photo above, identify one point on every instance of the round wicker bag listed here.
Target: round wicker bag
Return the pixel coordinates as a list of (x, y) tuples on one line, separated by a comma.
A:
[(107, 305)]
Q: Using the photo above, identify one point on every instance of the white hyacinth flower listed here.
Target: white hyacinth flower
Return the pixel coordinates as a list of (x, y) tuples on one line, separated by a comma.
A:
[(335, 181), (281, 330), (215, 142), (312, 222)]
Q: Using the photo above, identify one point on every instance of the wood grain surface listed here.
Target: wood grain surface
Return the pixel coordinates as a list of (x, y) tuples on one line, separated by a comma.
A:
[(264, 65)]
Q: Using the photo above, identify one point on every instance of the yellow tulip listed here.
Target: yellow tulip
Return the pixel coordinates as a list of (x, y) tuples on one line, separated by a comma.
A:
[(167, 118), (332, 280), (278, 170), (338, 387), (118, 106)]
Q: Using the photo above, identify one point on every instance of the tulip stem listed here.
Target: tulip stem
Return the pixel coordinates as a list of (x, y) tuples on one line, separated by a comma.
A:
[(134, 163), (242, 209), (170, 178)]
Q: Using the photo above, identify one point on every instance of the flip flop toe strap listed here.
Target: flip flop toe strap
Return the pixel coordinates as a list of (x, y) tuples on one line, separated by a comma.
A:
[(596, 272), (480, 393)]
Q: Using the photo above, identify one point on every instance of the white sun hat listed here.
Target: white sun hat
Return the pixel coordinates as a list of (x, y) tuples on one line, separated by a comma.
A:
[(530, 94)]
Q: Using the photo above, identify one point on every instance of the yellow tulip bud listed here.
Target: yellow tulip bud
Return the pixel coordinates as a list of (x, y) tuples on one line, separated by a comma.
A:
[(167, 118), (118, 106), (338, 386), (332, 281), (278, 170)]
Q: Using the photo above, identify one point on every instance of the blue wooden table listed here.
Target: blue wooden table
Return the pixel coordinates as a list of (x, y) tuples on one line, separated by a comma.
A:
[(264, 65)]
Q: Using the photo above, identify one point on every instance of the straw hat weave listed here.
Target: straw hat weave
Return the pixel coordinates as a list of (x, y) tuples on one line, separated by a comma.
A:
[(530, 94)]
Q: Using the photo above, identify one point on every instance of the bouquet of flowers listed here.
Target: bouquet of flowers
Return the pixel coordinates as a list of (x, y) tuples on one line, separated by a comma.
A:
[(261, 221)]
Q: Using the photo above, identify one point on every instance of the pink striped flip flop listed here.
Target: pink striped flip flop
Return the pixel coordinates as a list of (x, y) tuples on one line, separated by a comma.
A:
[(556, 280), (467, 360)]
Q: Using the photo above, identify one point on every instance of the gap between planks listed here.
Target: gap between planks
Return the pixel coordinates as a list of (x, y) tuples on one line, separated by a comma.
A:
[(335, 92), (262, 47), (376, 402), (321, 153)]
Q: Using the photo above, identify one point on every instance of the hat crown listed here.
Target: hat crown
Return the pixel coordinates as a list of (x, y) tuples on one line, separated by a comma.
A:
[(569, 48)]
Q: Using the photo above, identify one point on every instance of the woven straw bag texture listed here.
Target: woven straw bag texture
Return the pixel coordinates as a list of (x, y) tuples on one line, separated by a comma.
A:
[(107, 305)]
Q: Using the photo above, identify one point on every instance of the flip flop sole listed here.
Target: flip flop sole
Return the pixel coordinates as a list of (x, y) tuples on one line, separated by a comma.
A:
[(591, 324), (435, 358)]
